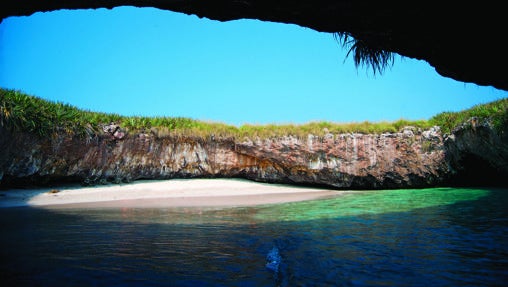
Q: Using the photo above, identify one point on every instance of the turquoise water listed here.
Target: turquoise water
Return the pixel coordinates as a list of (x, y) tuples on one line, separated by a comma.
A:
[(369, 202), (426, 237)]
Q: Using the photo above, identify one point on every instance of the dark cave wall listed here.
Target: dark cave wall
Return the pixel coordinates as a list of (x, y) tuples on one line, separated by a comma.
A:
[(477, 154), (464, 42)]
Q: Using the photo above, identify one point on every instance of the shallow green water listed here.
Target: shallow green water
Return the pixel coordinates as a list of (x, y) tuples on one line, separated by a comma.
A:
[(368, 202)]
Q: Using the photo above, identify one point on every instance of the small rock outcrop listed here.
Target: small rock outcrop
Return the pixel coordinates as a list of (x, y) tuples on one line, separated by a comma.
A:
[(408, 159), (114, 131)]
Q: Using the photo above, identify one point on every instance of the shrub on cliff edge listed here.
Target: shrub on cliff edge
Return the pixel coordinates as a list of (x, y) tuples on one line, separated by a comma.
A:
[(22, 112), (496, 112)]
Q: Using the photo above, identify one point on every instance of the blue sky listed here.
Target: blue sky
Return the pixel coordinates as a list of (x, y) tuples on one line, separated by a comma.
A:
[(149, 62)]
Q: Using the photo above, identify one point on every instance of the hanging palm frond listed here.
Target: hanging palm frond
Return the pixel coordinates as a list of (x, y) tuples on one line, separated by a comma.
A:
[(364, 54)]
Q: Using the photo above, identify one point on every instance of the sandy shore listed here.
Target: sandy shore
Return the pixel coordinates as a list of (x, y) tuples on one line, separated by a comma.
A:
[(167, 193)]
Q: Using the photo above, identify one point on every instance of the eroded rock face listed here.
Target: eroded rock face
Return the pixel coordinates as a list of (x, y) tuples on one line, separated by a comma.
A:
[(464, 41), (475, 153), (478, 154), (352, 160), (411, 158)]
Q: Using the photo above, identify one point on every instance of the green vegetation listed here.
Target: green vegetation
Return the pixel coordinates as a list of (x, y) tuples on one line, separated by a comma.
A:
[(21, 112), (496, 112)]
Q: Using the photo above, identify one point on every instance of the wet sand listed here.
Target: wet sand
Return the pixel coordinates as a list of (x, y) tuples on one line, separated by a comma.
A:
[(164, 193)]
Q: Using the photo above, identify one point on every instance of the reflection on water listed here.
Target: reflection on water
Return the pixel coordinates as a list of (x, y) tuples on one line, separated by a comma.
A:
[(431, 237)]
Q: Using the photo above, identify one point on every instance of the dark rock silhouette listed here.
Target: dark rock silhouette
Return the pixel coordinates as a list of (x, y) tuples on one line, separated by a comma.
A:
[(464, 41)]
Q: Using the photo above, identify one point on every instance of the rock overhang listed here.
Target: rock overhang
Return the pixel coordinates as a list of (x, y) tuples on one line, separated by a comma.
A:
[(464, 42)]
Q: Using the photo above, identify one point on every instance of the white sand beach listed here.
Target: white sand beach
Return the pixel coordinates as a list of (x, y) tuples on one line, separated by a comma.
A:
[(164, 193)]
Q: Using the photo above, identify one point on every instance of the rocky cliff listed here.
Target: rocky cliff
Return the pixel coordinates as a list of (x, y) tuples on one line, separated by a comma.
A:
[(477, 154), (410, 158)]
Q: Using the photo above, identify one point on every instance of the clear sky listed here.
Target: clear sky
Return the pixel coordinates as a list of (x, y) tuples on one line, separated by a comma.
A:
[(149, 62)]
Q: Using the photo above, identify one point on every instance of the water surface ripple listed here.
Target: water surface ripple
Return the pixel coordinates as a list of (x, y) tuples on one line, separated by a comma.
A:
[(430, 237)]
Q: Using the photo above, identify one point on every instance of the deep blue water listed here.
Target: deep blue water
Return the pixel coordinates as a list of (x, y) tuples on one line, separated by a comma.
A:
[(386, 238)]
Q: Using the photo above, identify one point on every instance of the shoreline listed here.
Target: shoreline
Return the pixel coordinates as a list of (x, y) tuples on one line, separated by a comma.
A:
[(164, 193)]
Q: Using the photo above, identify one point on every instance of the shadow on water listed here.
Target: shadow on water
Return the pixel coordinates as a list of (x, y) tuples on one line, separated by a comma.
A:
[(447, 243)]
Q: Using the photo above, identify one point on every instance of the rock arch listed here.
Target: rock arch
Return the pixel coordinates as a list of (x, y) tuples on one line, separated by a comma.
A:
[(465, 42)]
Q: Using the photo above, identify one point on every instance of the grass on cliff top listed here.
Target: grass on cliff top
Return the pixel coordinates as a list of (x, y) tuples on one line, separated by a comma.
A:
[(22, 112), (496, 112)]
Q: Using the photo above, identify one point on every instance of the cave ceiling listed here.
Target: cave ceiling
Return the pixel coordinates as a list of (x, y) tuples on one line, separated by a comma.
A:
[(464, 42)]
